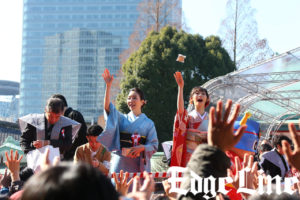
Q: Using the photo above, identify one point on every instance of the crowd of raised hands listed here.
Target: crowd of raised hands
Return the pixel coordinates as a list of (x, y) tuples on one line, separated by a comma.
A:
[(11, 180), (220, 135)]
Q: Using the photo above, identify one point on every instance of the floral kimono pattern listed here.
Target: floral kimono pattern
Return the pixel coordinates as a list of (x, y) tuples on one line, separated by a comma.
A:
[(189, 131)]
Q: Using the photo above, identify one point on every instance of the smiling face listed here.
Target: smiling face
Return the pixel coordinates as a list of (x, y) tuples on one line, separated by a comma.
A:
[(199, 98), (134, 101)]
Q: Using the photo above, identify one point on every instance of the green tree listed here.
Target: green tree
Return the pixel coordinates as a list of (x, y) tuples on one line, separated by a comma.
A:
[(152, 66)]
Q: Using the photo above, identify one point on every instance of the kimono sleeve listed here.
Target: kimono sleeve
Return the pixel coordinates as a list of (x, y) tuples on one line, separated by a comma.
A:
[(111, 134), (179, 137), (150, 148), (152, 141)]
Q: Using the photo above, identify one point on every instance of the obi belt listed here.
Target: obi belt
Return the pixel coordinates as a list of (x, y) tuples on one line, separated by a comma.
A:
[(128, 140), (195, 137)]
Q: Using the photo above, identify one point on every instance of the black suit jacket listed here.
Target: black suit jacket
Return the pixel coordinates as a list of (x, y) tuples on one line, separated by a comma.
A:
[(81, 136), (29, 135)]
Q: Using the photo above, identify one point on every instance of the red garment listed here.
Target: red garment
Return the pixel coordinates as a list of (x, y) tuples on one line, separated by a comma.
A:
[(232, 194), (179, 136), (231, 155), (186, 136)]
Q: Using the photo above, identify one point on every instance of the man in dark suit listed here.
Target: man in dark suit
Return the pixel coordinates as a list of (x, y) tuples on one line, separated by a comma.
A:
[(50, 128), (80, 139), (273, 162)]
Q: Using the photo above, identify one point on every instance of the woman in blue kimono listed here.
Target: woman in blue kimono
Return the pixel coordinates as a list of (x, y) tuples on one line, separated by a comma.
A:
[(131, 137)]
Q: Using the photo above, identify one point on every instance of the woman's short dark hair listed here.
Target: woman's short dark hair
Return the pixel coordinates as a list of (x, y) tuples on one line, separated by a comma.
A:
[(94, 130), (69, 182)]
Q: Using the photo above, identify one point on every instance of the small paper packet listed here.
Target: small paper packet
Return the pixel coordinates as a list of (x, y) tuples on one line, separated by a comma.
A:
[(181, 58)]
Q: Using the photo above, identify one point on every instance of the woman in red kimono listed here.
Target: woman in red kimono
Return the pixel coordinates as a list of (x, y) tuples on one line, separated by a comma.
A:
[(190, 128)]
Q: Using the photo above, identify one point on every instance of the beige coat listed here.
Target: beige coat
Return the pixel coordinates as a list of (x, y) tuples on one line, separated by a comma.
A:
[(83, 154)]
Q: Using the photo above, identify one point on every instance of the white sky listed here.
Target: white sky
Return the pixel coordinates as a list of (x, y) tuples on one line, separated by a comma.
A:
[(278, 22)]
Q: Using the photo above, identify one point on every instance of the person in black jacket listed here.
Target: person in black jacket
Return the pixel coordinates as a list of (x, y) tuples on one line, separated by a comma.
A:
[(273, 162), (77, 116), (49, 128)]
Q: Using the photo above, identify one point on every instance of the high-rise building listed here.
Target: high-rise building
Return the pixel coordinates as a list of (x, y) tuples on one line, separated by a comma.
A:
[(66, 46), (73, 64), (9, 100)]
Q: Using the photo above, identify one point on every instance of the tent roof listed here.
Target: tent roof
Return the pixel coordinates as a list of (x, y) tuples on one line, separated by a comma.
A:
[(270, 90), (11, 143)]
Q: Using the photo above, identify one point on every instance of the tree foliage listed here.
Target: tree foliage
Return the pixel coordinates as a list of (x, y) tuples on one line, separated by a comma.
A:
[(239, 34), (152, 66)]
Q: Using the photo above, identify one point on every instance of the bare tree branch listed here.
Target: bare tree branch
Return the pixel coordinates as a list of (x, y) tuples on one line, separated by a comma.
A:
[(239, 34), (154, 15)]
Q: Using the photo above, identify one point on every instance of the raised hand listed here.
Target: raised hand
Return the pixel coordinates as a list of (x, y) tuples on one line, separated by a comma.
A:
[(108, 78), (122, 185), (46, 163), (180, 83), (251, 175), (40, 143), (293, 157), (142, 191), (220, 131), (179, 79), (13, 164), (167, 188), (37, 144), (5, 180)]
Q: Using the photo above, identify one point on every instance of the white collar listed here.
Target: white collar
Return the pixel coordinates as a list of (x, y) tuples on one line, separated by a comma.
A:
[(195, 113), (202, 116), (132, 116)]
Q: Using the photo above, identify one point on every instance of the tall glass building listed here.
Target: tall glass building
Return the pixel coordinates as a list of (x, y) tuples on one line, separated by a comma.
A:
[(66, 46), (9, 100)]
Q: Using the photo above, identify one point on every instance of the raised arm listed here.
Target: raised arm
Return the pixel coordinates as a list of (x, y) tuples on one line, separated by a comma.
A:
[(108, 80), (180, 83)]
